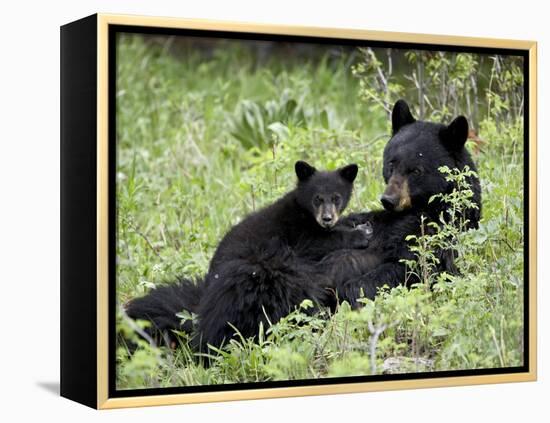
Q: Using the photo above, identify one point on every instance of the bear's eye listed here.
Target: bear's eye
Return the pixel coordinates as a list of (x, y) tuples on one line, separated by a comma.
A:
[(416, 171), (336, 199), (390, 167), (318, 200)]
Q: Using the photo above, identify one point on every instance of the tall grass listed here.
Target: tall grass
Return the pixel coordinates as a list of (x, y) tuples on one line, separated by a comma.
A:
[(205, 138)]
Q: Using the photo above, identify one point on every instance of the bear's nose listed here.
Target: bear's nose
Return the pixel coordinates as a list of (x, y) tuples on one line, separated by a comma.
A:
[(327, 218), (388, 201)]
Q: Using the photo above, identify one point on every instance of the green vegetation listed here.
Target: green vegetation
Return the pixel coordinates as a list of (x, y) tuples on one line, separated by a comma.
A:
[(204, 139)]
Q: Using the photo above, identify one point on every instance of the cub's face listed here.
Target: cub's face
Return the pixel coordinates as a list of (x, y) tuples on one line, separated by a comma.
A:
[(324, 195), (413, 156)]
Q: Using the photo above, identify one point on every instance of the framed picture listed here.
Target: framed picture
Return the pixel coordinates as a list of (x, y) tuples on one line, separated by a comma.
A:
[(256, 211)]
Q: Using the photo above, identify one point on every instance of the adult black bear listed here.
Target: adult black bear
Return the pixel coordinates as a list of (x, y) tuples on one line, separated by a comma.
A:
[(265, 265), (412, 158)]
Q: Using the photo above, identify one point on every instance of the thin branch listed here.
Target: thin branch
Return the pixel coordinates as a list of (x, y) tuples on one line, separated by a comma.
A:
[(141, 234), (376, 331)]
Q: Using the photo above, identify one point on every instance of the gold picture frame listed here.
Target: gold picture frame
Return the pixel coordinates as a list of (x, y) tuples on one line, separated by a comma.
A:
[(86, 378)]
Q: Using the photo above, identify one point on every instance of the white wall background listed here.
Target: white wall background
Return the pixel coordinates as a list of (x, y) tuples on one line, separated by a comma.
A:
[(29, 209)]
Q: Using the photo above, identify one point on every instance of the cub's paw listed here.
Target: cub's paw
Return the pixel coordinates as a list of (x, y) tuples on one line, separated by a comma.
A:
[(354, 220), (366, 228), (361, 235)]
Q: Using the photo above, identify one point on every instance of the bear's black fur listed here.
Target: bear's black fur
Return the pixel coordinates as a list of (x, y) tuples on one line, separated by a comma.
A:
[(162, 304), (412, 158), (264, 266)]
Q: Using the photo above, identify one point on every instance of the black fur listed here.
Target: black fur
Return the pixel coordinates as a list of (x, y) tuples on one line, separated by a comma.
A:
[(264, 266), (162, 304), (412, 159)]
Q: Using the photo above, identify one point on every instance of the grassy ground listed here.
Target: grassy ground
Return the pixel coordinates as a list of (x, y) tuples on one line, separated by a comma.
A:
[(202, 141)]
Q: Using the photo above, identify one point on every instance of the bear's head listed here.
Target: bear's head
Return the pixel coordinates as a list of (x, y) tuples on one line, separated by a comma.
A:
[(323, 194), (413, 156)]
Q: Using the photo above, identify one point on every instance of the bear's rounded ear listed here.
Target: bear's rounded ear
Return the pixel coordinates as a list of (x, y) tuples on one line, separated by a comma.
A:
[(303, 170), (400, 116), (349, 172), (455, 135)]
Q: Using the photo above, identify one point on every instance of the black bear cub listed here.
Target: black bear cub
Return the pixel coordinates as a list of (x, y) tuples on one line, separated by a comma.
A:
[(264, 266), (412, 158)]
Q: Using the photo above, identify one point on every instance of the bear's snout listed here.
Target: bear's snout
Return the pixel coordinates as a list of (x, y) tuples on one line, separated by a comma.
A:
[(389, 201), (396, 197)]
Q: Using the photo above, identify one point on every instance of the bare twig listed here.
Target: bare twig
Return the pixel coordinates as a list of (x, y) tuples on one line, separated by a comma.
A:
[(141, 234), (375, 331), (420, 86)]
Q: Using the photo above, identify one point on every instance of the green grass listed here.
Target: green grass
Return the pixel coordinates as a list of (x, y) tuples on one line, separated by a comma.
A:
[(202, 141)]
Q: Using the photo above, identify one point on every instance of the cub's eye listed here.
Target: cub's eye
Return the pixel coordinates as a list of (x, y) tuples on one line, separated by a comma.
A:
[(317, 201), (390, 167), (416, 171), (336, 199)]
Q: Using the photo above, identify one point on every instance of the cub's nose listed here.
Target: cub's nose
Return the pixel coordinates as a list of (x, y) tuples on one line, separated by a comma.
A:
[(327, 218), (389, 201)]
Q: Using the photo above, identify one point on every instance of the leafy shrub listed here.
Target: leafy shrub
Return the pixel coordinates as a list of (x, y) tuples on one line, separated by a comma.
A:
[(440, 85)]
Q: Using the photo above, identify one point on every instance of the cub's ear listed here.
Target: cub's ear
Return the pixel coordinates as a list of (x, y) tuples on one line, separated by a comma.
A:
[(400, 116), (455, 135), (348, 172), (304, 170)]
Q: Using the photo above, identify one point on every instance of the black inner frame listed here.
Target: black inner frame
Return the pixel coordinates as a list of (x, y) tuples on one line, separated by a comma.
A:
[(113, 30)]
